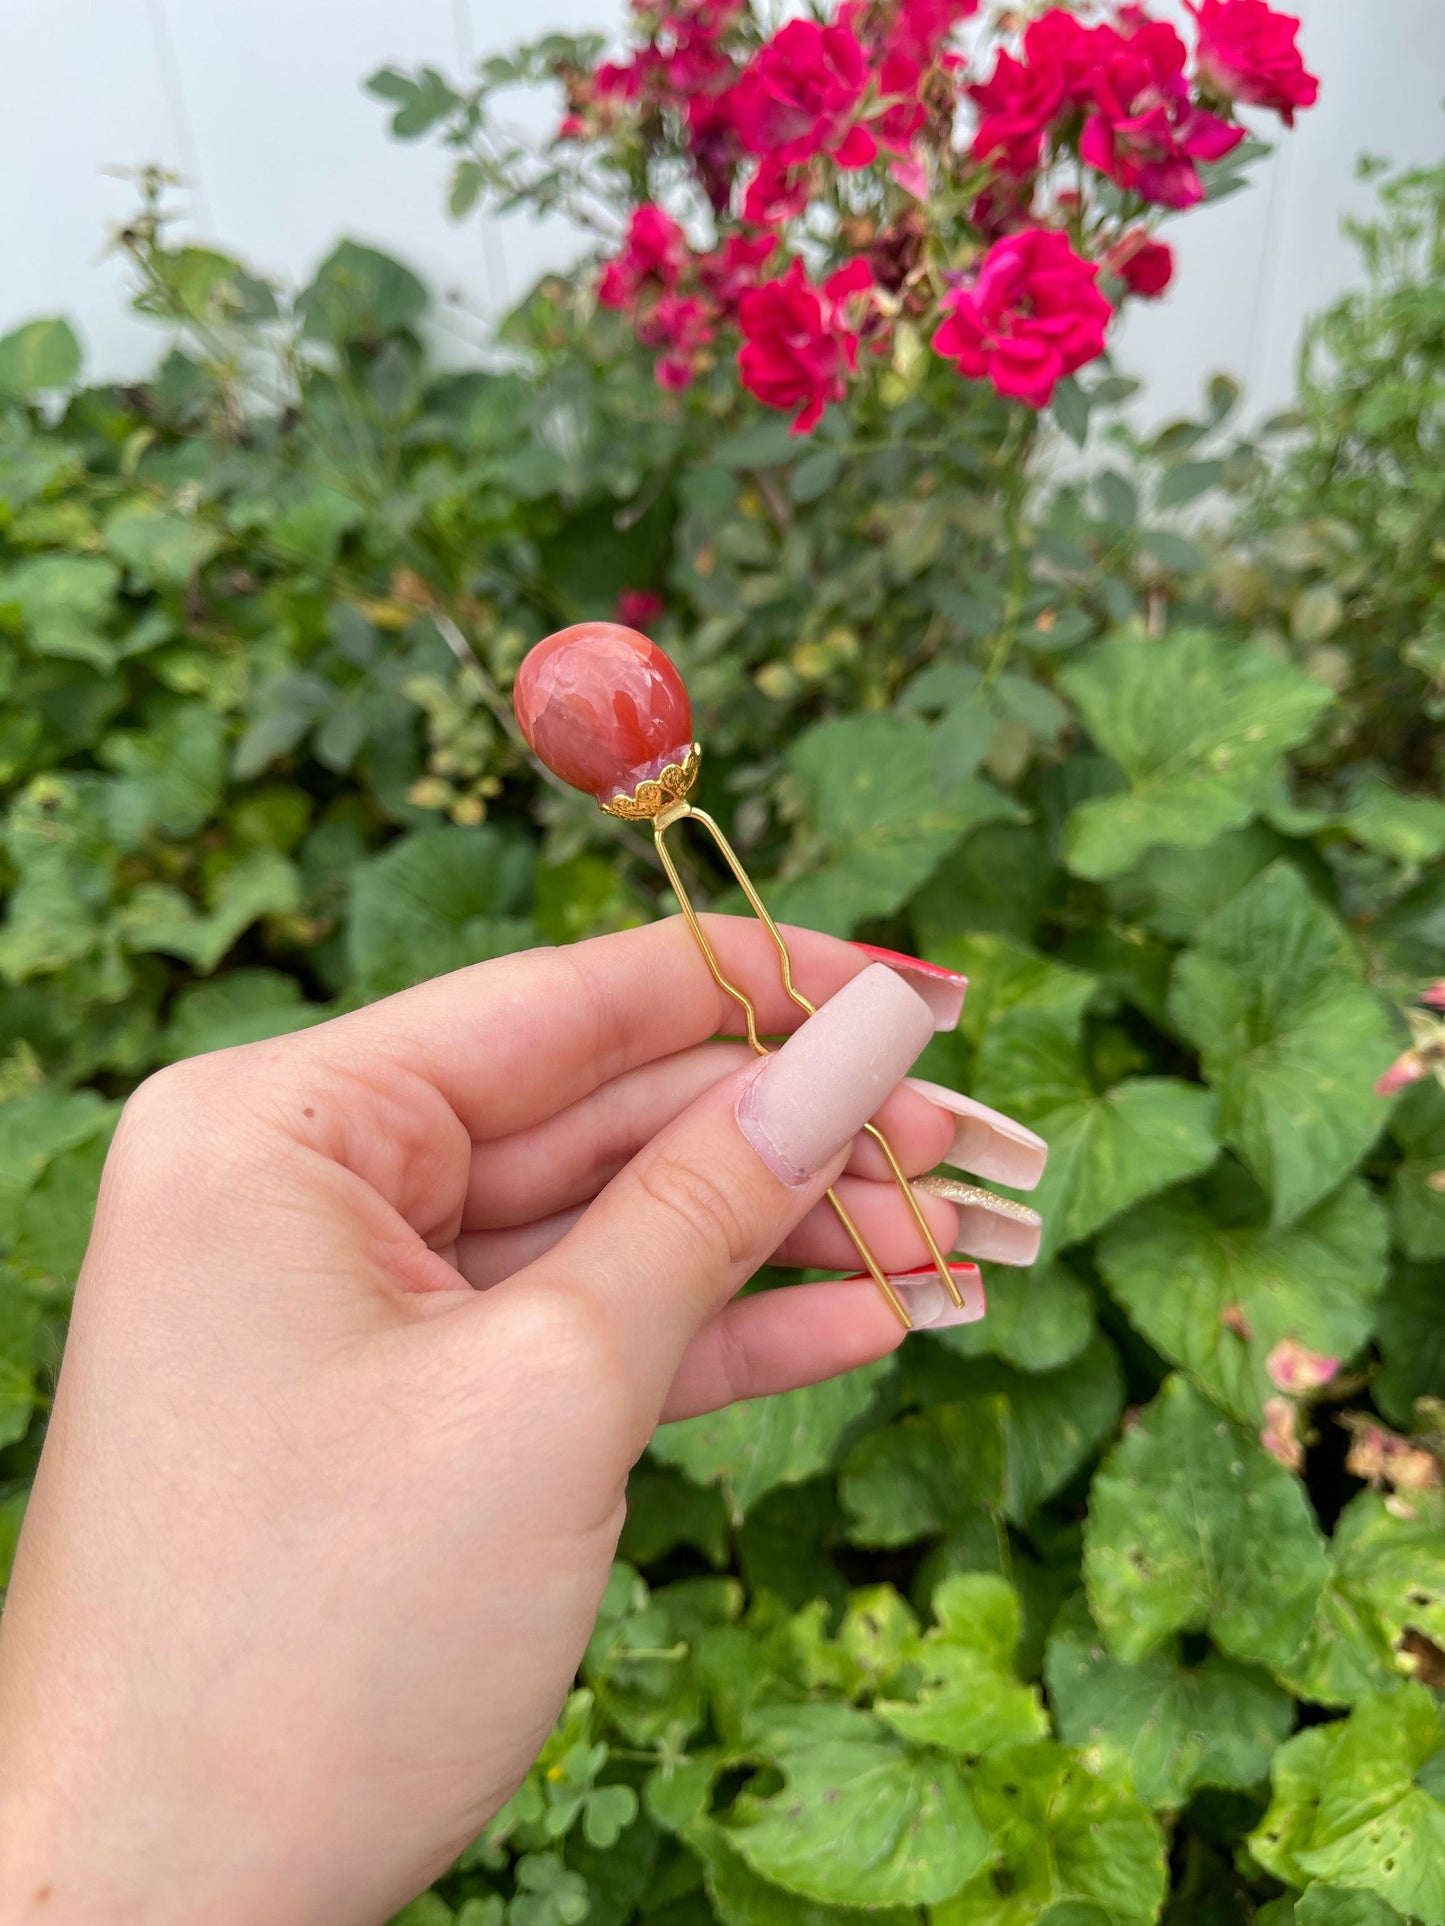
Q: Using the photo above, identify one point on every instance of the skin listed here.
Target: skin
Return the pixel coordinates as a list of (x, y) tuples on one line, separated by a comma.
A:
[(337, 1463)]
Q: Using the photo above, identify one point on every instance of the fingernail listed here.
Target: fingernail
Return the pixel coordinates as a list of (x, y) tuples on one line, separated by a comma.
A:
[(995, 1228), (942, 990), (922, 1295), (810, 1099), (986, 1142)]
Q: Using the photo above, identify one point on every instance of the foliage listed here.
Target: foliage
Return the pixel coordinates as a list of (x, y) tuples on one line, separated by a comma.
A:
[(1071, 1616)]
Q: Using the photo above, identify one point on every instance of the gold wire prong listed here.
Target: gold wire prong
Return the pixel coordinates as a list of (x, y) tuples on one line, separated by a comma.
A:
[(662, 820)]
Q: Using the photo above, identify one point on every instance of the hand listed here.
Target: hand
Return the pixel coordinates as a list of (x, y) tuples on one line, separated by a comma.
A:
[(374, 1321)]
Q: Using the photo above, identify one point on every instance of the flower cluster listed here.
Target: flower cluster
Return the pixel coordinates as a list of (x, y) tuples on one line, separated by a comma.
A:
[(999, 204)]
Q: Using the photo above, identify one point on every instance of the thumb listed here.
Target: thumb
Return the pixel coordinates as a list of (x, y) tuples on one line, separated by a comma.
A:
[(697, 1211)]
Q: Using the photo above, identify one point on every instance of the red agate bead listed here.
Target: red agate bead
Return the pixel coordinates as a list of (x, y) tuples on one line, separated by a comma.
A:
[(602, 707)]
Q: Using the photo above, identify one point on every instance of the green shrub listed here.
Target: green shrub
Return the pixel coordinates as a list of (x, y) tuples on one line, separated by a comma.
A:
[(1074, 1615)]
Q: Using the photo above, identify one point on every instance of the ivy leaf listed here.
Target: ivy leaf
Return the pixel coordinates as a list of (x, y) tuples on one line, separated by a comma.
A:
[(1417, 1203), (863, 1820), (1349, 1810), (749, 1449), (926, 1474), (1067, 1831), (972, 1700), (885, 825), (1384, 1601), (1216, 1298), (436, 900), (1198, 724), (1410, 1331), (1232, 1548), (1107, 1149), (741, 1898), (1211, 1724), (1290, 1038)]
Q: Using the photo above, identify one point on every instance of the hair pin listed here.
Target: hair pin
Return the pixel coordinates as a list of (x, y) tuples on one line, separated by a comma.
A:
[(607, 712)]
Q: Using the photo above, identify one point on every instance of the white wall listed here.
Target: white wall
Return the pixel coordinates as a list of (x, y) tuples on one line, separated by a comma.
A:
[(258, 104)]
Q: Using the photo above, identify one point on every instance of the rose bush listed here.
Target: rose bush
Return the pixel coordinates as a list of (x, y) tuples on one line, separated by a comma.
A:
[(1127, 1603)]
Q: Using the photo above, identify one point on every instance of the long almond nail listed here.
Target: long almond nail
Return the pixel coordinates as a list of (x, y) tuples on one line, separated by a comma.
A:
[(997, 1229), (942, 990), (927, 1303), (806, 1103), (986, 1142)]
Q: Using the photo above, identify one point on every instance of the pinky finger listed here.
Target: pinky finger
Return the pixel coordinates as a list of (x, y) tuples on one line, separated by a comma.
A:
[(804, 1333)]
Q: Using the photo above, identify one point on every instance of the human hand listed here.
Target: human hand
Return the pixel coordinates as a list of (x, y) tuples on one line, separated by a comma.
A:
[(354, 1381)]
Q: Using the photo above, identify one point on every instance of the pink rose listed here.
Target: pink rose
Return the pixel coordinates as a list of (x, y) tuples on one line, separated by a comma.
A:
[(682, 325), (652, 257), (796, 351), (1022, 98), (1435, 995), (637, 608), (1145, 266), (1247, 52), (799, 97), (1032, 315), (1143, 131), (729, 272)]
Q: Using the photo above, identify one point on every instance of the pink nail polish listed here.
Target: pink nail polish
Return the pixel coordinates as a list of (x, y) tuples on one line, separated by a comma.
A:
[(942, 990), (985, 1142), (928, 1304), (806, 1103)]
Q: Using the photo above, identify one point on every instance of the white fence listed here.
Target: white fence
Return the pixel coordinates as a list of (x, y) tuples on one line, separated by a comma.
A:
[(258, 104)]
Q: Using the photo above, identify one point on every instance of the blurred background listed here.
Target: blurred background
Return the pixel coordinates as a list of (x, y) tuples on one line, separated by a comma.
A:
[(258, 103)]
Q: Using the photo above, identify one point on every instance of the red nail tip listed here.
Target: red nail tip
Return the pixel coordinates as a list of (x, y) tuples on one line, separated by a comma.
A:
[(602, 707), (942, 990)]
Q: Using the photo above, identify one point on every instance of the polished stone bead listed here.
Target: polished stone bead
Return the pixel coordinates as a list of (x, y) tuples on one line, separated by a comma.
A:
[(602, 707)]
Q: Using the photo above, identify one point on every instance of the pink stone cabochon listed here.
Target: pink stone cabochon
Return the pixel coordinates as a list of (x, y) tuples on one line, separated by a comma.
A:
[(602, 707)]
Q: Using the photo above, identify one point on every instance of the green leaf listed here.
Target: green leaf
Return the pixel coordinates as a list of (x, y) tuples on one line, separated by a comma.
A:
[(972, 1700), (1336, 1906), (926, 1474), (1410, 1331), (1216, 1298), (1232, 1548), (360, 295), (161, 547), (741, 1898), (54, 1221), (1038, 1319), (1211, 1724), (1289, 1036), (173, 774), (1198, 725), (1384, 1602), (242, 1006), (1410, 829), (38, 357), (1065, 1827), (1053, 1420), (863, 1820), (34, 1131), (1071, 410), (1417, 1202), (1186, 482), (885, 825), (65, 602), (20, 1325), (263, 882), (749, 1449), (436, 900), (1348, 1810), (1107, 1149)]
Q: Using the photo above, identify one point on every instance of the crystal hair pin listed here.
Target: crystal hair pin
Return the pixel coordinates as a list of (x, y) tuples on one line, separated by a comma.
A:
[(642, 769)]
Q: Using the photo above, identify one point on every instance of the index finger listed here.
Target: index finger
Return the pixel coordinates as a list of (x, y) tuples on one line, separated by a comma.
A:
[(510, 1041)]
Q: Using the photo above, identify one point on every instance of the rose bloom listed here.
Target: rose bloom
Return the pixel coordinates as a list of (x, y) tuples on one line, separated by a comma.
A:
[(796, 352), (1247, 52), (652, 255), (1023, 97), (682, 325), (1033, 314), (1145, 266), (730, 270), (1143, 131), (799, 94), (636, 608)]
